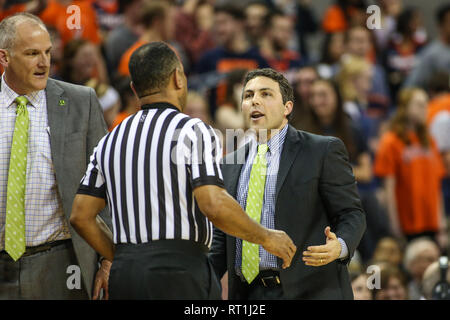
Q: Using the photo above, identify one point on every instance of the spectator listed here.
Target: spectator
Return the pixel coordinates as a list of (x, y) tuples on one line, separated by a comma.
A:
[(234, 51), (403, 48), (193, 31), (390, 9), (412, 169), (333, 47), (431, 277), (303, 81), (56, 53), (359, 286), (123, 36), (109, 99), (390, 250), (359, 42), (344, 14), (256, 13), (393, 285), (157, 19), (305, 24), (275, 46), (436, 56), (197, 107), (419, 255)]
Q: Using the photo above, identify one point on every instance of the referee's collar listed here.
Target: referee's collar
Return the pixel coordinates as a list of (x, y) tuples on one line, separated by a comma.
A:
[(159, 105)]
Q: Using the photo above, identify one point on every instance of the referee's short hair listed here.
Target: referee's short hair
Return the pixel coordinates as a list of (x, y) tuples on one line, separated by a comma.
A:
[(151, 66)]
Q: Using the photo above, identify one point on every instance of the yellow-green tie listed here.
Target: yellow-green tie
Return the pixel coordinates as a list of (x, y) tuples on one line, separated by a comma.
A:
[(15, 201), (250, 251)]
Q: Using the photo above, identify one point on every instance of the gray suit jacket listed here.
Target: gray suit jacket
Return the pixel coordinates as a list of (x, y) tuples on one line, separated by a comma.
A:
[(76, 125), (315, 188)]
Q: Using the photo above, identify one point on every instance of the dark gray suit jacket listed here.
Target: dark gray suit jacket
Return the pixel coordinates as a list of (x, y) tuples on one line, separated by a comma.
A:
[(315, 188), (76, 125)]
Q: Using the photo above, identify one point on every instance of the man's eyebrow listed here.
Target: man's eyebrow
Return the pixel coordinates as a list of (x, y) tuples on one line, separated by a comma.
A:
[(261, 89)]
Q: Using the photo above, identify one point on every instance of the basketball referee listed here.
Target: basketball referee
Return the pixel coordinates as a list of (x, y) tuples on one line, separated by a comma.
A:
[(159, 171)]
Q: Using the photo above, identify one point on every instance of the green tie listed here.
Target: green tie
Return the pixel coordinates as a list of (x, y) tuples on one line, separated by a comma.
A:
[(15, 202), (250, 251)]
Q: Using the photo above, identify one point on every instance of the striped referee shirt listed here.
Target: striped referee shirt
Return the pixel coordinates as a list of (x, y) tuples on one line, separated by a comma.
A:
[(147, 168)]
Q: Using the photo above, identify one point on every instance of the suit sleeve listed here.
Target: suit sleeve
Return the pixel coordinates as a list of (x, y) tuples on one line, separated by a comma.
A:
[(340, 196), (218, 253), (97, 125)]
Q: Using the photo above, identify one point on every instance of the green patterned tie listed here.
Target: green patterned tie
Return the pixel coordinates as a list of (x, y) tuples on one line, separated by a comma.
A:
[(15, 202), (250, 251)]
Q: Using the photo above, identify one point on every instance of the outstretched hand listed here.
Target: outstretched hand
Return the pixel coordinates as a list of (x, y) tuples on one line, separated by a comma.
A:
[(321, 255)]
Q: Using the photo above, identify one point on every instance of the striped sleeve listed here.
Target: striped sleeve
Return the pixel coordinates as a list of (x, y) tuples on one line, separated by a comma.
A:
[(206, 154), (93, 182)]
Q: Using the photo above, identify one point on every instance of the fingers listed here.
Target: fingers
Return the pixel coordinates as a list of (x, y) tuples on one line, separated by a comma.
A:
[(97, 287), (290, 252)]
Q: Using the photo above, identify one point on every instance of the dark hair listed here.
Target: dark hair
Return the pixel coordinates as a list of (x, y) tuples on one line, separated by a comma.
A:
[(152, 11), (287, 92), (233, 10), (404, 20), (69, 52), (442, 12), (151, 66), (235, 77), (274, 12)]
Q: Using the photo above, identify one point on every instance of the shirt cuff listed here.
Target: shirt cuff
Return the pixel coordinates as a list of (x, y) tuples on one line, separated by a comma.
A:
[(344, 249)]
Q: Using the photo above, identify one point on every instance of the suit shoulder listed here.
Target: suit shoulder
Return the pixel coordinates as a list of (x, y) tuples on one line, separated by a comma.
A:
[(70, 88), (315, 139)]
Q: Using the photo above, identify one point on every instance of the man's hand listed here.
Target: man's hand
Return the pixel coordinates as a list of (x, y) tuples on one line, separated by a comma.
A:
[(281, 245), (101, 280), (321, 255)]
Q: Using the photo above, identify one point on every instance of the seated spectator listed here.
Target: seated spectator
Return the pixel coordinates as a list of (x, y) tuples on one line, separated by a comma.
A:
[(343, 14), (435, 57), (256, 12), (123, 36), (157, 19), (431, 277), (108, 98), (275, 46), (419, 255), (303, 81), (404, 47), (332, 50), (234, 51), (359, 286), (393, 285), (197, 107), (56, 53), (390, 9), (306, 24), (410, 164), (389, 250)]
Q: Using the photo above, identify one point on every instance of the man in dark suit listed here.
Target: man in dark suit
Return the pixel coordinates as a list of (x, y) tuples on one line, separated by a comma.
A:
[(41, 257), (308, 189)]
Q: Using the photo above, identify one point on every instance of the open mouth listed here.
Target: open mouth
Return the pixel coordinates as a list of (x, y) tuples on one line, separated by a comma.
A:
[(255, 115), (40, 74)]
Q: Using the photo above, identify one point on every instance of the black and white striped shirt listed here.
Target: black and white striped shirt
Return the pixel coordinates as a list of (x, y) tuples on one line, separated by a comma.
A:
[(147, 168)]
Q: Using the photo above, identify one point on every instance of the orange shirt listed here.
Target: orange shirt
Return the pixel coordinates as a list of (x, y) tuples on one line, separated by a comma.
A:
[(55, 14), (418, 173), (123, 64), (12, 10), (441, 103), (118, 119)]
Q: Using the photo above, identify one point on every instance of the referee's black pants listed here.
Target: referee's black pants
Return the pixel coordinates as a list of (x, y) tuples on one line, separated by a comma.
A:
[(163, 270)]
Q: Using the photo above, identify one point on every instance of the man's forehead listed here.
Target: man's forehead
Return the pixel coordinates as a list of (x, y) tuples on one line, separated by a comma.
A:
[(31, 35), (261, 82)]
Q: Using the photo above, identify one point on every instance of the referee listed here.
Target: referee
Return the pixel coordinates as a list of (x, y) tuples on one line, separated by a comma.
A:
[(159, 171)]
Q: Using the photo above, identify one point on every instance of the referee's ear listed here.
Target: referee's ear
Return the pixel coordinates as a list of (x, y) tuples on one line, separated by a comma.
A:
[(179, 78), (134, 89)]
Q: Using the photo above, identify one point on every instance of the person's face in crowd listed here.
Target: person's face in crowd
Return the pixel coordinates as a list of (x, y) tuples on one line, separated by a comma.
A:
[(196, 108), (363, 81), (391, 7), (305, 78), (445, 28), (336, 47), (417, 107), (360, 289), (323, 101), (255, 15), (281, 31), (83, 63), (358, 42), (262, 105), (426, 257), (205, 16), (226, 28), (27, 63), (395, 290), (388, 250)]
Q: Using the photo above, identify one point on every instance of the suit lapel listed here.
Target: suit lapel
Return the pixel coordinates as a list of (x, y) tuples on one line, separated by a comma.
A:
[(57, 109), (233, 169), (290, 150)]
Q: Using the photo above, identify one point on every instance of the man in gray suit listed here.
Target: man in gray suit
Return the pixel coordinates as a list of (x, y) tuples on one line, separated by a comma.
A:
[(54, 126)]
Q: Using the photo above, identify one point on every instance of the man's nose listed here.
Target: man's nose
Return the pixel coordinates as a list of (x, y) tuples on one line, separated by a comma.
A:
[(44, 60)]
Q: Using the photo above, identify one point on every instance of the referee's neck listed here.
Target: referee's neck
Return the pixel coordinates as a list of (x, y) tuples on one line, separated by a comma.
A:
[(160, 98)]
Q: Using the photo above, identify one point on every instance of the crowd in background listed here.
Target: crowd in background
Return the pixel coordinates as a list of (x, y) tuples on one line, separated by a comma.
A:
[(385, 92)]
